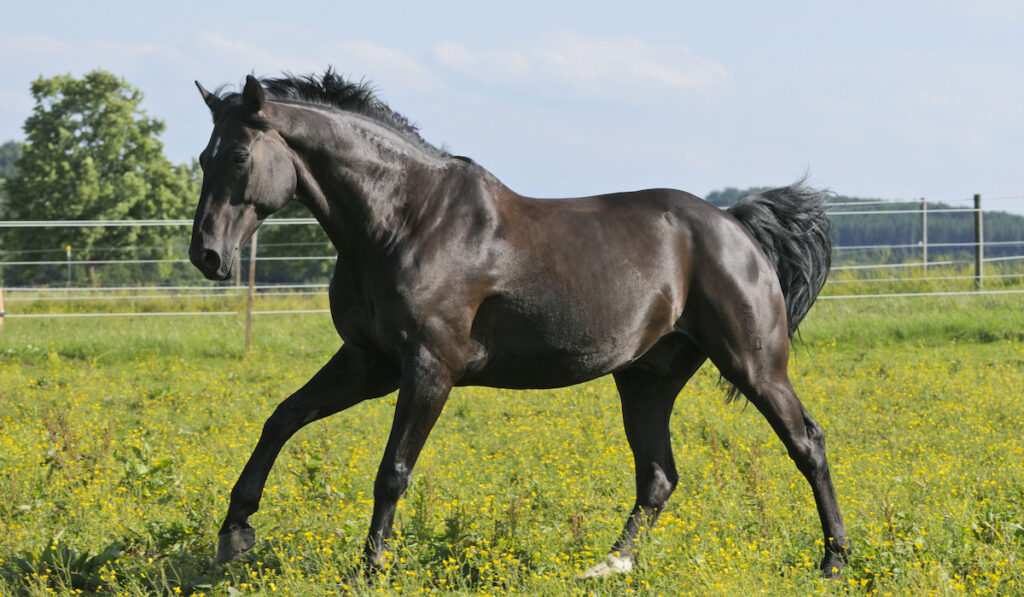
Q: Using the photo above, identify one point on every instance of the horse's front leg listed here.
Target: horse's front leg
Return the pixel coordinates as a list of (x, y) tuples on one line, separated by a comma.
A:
[(424, 390), (347, 379)]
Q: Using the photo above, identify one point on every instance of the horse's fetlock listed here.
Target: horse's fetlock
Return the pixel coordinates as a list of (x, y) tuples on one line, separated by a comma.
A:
[(244, 504)]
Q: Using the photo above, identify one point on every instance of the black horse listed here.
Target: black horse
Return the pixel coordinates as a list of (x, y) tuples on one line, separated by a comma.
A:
[(446, 277)]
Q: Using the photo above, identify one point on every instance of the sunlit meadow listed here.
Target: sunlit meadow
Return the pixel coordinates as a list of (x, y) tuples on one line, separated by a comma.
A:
[(120, 439)]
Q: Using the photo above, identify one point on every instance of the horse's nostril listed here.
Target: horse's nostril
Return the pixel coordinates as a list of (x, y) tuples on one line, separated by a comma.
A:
[(211, 260)]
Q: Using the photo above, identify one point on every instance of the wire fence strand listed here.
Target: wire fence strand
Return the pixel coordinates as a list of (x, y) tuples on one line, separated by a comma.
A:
[(856, 268)]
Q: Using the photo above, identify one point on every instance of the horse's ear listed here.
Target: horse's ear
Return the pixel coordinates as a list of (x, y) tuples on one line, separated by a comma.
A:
[(252, 95), (212, 101)]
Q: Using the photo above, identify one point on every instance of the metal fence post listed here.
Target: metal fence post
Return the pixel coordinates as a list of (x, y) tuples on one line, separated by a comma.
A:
[(924, 232), (252, 290), (2, 309), (979, 245)]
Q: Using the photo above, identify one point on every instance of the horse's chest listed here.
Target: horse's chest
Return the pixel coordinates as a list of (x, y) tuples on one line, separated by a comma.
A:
[(357, 318)]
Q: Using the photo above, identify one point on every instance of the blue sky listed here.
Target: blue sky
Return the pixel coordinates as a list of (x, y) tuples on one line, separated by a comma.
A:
[(888, 99)]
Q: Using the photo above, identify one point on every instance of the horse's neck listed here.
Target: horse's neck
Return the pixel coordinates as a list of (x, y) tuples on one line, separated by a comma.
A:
[(354, 174)]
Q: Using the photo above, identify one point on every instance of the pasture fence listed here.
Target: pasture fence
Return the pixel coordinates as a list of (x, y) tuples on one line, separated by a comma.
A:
[(55, 283)]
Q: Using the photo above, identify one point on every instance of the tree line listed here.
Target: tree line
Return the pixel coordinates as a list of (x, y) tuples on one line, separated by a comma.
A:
[(905, 228), (91, 153)]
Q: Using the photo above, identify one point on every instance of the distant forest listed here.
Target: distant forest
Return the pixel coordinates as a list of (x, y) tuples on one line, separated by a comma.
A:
[(905, 229)]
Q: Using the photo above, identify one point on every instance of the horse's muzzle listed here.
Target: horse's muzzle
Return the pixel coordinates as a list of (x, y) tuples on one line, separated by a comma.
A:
[(211, 263)]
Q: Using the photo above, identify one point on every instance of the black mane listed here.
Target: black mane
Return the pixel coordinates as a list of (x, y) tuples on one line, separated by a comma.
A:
[(332, 89)]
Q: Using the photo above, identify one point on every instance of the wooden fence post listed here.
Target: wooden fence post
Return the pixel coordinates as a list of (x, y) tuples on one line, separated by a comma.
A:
[(979, 245), (252, 290), (2, 309)]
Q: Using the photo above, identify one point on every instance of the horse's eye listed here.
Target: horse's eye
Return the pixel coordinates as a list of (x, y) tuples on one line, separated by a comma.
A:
[(241, 157)]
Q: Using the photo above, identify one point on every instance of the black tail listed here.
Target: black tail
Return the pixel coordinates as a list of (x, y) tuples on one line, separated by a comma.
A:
[(791, 226)]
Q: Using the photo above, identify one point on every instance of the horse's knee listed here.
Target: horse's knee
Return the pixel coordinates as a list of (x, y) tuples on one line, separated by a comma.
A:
[(390, 484), (283, 422)]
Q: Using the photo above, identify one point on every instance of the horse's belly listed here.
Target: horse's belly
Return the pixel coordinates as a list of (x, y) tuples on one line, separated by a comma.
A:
[(510, 350), (497, 366)]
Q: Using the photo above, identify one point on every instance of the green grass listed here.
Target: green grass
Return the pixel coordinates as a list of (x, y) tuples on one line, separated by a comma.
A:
[(934, 321), (120, 439), (913, 278)]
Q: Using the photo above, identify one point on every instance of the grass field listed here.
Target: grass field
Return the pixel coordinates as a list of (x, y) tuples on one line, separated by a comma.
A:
[(120, 439)]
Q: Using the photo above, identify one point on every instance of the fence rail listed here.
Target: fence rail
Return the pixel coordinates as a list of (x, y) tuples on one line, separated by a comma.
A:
[(851, 272), (132, 223)]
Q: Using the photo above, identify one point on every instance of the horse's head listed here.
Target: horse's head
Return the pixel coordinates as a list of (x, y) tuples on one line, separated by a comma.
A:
[(248, 174)]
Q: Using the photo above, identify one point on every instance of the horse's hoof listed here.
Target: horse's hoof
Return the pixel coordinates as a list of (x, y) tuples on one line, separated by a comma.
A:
[(832, 565), (374, 562), (234, 543), (611, 565)]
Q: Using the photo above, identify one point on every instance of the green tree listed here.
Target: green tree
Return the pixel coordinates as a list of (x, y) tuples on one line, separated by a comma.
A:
[(92, 153), (9, 153)]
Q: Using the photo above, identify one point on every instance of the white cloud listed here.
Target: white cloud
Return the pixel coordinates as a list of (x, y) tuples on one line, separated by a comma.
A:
[(247, 57), (488, 65), (16, 48), (58, 56), (383, 63), (594, 65), (1009, 10)]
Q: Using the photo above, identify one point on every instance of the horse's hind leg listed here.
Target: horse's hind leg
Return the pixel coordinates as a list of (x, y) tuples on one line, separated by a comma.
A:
[(754, 359), (647, 400), (805, 442), (347, 379)]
